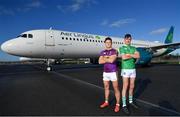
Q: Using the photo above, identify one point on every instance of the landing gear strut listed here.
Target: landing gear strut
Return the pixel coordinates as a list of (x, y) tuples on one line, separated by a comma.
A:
[(49, 68)]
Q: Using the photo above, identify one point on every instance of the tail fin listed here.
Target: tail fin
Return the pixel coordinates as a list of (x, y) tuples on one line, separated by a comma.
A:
[(169, 38)]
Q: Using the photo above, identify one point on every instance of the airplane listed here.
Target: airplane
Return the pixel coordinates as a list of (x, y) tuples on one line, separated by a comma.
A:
[(56, 44)]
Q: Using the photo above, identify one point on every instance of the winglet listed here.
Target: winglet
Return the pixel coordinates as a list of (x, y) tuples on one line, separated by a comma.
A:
[(169, 38)]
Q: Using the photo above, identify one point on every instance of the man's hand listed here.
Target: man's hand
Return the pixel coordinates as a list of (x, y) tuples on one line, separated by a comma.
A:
[(107, 59), (126, 56), (135, 55)]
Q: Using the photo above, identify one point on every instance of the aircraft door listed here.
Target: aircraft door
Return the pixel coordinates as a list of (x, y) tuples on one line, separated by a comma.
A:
[(49, 38)]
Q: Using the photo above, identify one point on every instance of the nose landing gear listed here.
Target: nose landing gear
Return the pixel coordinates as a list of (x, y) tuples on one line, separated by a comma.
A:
[(49, 68)]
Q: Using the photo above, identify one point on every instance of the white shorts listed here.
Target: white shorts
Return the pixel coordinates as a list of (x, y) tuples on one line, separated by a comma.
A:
[(109, 76), (128, 73)]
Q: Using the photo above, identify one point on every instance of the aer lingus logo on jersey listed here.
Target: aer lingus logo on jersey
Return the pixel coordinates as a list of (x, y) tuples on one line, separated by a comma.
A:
[(98, 37)]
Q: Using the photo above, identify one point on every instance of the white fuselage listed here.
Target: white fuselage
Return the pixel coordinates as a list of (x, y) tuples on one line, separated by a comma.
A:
[(56, 44)]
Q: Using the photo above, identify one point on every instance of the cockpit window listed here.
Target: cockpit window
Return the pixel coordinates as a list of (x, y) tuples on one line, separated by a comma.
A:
[(30, 36), (24, 35)]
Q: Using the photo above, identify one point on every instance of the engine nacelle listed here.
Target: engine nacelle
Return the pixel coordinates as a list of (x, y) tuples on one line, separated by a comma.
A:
[(145, 56)]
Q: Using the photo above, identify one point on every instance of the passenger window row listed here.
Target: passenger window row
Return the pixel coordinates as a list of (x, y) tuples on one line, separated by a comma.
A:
[(87, 40)]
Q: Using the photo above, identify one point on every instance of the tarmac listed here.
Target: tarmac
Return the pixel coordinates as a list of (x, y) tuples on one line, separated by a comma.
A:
[(77, 90)]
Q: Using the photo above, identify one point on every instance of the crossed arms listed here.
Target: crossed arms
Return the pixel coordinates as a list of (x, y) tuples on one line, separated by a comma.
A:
[(128, 56), (112, 58), (107, 59)]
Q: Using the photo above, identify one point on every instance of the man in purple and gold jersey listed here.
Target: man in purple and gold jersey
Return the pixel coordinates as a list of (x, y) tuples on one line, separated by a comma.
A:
[(108, 58)]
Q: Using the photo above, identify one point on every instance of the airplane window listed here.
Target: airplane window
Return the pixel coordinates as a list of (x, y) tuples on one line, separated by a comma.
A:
[(96, 40), (77, 39), (74, 39), (62, 38), (66, 38), (24, 35), (70, 38), (30, 36), (80, 39)]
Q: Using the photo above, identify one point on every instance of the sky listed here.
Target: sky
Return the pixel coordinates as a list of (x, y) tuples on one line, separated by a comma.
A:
[(144, 19)]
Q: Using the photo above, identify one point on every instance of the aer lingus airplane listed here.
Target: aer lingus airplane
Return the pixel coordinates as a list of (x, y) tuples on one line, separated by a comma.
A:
[(56, 44)]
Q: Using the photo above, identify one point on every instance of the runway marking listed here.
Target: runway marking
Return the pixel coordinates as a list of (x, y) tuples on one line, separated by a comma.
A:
[(160, 107), (139, 100)]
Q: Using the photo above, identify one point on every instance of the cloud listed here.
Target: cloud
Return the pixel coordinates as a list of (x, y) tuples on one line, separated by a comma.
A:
[(34, 4), (76, 5), (29, 6), (121, 22), (104, 22), (158, 31), (118, 23), (6, 9)]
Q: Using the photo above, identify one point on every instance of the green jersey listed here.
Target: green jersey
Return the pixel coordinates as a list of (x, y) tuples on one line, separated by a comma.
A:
[(128, 63)]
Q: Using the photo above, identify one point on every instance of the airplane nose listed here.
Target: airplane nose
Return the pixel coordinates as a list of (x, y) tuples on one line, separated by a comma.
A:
[(7, 46)]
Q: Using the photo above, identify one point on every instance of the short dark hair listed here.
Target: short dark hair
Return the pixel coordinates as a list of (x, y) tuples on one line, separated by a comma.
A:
[(107, 38), (127, 36)]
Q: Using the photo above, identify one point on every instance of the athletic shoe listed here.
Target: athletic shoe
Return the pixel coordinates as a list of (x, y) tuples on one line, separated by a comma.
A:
[(116, 109), (125, 110), (105, 104)]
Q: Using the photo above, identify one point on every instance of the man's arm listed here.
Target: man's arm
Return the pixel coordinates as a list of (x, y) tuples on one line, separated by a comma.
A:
[(101, 60), (126, 56), (107, 59), (123, 55), (136, 55), (111, 58)]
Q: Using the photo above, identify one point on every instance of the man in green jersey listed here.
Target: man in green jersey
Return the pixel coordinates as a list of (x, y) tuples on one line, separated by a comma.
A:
[(129, 54)]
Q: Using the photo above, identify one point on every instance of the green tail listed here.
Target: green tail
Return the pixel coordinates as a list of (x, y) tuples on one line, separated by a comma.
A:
[(169, 38)]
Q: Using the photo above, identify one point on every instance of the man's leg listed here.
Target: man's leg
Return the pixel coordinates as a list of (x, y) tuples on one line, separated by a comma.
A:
[(117, 95), (116, 90), (124, 90), (131, 89), (106, 90)]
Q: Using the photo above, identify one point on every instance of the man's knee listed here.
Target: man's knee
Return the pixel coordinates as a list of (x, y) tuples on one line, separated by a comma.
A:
[(131, 86), (106, 86), (116, 88), (125, 84)]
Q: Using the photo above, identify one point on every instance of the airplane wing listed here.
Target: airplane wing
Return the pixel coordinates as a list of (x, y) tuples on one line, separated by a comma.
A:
[(171, 45)]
